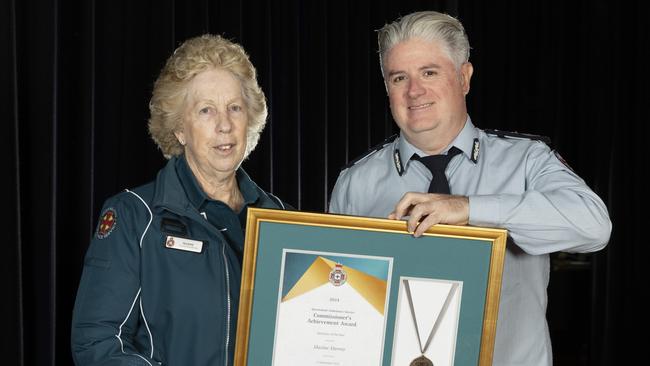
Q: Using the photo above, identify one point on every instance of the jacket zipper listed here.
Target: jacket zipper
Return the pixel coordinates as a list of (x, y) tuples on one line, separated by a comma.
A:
[(225, 263)]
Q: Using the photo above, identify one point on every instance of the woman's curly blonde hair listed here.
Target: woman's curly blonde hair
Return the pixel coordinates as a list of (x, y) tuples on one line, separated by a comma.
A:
[(170, 89)]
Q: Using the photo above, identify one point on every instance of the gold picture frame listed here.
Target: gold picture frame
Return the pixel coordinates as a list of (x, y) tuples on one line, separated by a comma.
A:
[(280, 245)]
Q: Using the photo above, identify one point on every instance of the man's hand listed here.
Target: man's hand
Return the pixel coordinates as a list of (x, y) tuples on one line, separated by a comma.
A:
[(427, 209)]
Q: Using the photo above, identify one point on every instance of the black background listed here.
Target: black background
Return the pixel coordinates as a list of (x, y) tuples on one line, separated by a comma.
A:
[(76, 77)]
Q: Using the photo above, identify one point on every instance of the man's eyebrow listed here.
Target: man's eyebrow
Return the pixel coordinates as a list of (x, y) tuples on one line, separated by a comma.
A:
[(425, 67)]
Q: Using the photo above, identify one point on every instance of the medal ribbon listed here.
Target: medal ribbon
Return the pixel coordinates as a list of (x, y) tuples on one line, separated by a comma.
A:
[(436, 323)]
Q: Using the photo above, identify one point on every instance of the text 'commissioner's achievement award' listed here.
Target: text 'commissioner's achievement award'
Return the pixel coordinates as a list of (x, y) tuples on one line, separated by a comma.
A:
[(331, 309)]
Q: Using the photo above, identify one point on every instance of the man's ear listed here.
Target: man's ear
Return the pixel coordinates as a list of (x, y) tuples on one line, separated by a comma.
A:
[(466, 71)]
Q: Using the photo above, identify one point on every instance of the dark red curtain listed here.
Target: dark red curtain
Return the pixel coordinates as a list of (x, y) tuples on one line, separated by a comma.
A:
[(77, 76)]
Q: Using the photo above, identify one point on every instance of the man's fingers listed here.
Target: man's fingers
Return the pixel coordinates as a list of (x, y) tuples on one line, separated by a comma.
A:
[(425, 224), (418, 213), (428, 214), (426, 209), (408, 200), (412, 223)]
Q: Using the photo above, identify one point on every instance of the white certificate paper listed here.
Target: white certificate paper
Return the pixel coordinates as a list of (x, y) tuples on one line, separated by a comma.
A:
[(331, 309)]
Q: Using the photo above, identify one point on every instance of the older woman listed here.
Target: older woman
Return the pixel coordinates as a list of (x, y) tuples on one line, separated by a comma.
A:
[(161, 277)]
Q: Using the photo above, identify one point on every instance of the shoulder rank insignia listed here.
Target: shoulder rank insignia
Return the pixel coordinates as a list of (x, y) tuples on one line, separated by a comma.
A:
[(518, 135), (398, 162), (107, 223), (476, 147), (371, 151)]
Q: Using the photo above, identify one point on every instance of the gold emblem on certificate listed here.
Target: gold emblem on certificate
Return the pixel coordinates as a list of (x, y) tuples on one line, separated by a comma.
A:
[(337, 275)]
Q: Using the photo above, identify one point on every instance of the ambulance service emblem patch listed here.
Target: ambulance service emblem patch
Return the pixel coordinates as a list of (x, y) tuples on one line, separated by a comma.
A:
[(107, 223)]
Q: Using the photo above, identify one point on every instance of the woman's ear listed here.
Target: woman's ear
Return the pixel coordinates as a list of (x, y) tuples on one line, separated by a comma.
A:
[(180, 136)]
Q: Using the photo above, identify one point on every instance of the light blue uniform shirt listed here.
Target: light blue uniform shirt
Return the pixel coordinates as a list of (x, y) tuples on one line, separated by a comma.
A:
[(513, 183)]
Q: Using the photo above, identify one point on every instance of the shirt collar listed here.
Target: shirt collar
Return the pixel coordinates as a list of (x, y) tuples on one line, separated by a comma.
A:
[(464, 141), (247, 187), (195, 193)]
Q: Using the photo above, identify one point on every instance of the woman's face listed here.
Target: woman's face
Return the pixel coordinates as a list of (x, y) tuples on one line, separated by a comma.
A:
[(215, 123)]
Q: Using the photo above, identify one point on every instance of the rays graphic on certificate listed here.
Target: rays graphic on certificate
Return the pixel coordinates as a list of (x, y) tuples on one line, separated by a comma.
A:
[(331, 309)]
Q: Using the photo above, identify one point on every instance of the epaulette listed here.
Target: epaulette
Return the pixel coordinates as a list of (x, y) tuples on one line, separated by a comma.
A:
[(371, 151), (528, 136)]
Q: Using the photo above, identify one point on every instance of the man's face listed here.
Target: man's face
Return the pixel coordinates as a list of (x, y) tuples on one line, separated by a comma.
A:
[(426, 92)]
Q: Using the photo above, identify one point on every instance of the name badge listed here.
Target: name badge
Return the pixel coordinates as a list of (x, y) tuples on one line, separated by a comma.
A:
[(188, 245)]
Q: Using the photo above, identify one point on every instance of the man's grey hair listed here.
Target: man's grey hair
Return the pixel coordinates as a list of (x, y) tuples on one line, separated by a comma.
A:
[(430, 26)]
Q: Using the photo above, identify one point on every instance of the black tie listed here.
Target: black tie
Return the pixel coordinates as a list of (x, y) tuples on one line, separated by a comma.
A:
[(437, 165)]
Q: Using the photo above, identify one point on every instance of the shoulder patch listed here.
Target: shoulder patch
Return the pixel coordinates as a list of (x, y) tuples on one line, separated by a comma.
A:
[(528, 136), (107, 223), (371, 151)]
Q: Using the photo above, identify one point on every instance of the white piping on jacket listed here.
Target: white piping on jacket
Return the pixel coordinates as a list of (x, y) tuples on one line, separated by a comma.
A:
[(225, 262), (279, 200), (119, 334), (139, 291)]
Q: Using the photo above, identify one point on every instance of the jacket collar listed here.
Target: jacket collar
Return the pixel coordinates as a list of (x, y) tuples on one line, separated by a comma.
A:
[(169, 191), (197, 196)]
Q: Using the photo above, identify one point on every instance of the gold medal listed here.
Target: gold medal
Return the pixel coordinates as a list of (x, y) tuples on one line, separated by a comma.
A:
[(421, 361)]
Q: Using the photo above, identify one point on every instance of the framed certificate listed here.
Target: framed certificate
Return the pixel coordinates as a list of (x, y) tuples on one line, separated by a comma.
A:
[(322, 289)]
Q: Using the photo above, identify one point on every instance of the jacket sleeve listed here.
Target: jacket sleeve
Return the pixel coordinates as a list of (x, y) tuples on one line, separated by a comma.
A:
[(557, 211), (106, 315)]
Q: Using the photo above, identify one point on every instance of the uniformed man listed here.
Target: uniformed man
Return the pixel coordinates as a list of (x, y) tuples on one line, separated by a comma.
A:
[(442, 169)]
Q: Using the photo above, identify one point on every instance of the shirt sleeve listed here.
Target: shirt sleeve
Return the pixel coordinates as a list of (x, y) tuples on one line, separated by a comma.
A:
[(107, 308), (557, 211), (339, 202)]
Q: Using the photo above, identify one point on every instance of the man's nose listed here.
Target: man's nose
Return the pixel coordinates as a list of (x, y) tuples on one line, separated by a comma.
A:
[(415, 88)]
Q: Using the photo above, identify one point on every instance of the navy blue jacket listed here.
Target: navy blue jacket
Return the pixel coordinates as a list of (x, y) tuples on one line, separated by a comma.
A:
[(142, 303)]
